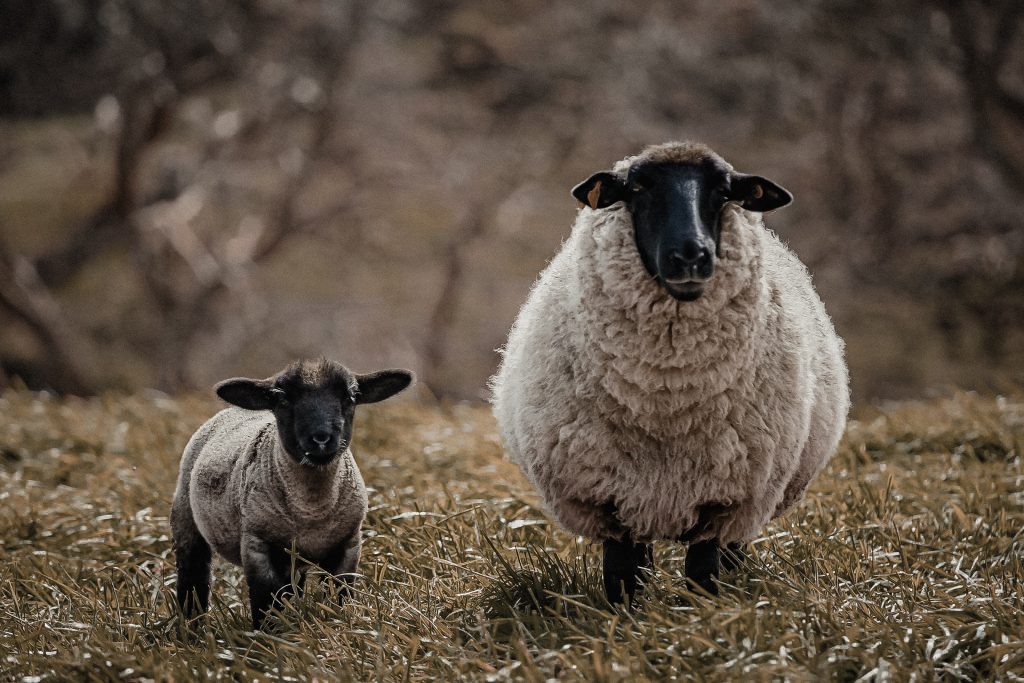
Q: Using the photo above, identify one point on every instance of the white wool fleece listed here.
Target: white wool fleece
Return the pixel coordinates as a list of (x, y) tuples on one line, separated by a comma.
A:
[(611, 391)]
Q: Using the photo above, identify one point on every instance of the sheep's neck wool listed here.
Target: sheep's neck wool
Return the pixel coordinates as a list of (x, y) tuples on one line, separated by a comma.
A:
[(310, 494), (657, 356)]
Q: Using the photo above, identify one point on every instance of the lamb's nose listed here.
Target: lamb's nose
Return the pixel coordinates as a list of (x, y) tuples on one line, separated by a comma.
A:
[(321, 438)]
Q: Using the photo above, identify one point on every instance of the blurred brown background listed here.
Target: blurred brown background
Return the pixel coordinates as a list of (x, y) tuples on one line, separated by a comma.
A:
[(198, 189)]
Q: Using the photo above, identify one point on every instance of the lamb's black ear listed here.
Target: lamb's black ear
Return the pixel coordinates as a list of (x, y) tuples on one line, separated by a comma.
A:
[(251, 394), (601, 190), (755, 193), (377, 386)]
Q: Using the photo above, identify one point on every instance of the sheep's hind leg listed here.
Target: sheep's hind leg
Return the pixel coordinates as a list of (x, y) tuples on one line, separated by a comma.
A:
[(702, 565), (733, 557), (192, 557), (625, 565)]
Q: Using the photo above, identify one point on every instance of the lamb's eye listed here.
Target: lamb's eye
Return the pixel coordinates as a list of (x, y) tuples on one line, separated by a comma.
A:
[(280, 398)]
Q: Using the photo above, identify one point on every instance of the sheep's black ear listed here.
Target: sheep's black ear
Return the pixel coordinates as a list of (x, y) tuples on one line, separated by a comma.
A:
[(755, 193), (251, 394), (601, 190), (377, 386)]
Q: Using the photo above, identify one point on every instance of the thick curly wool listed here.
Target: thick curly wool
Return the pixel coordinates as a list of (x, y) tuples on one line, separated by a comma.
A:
[(238, 477), (613, 392)]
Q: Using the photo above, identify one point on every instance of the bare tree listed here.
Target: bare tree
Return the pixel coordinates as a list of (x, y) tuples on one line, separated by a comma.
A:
[(184, 275), (383, 181)]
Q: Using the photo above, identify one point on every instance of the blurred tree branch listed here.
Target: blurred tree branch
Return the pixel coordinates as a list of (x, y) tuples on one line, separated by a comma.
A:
[(148, 105), (517, 97), (993, 107), (188, 312), (282, 178), (23, 295), (144, 120)]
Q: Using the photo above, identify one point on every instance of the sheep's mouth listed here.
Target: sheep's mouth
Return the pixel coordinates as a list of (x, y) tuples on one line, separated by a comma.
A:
[(318, 459), (684, 290)]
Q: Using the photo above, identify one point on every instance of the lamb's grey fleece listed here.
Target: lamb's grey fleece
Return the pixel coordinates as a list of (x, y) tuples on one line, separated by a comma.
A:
[(611, 391), (238, 477)]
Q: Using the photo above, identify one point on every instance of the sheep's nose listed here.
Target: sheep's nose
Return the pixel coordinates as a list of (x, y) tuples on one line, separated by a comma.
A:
[(321, 438), (692, 253)]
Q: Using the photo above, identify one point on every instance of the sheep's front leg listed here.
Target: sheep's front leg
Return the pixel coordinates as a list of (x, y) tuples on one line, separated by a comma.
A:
[(625, 565), (702, 564), (267, 579), (342, 562)]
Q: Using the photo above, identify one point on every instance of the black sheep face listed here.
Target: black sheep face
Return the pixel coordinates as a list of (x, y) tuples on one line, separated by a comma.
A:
[(314, 404), (676, 209)]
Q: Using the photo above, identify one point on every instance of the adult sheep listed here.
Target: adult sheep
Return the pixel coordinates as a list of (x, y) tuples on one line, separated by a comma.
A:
[(673, 374)]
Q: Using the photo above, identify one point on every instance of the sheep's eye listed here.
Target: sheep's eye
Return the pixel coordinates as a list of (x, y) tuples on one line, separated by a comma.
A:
[(280, 398), (640, 181), (636, 186)]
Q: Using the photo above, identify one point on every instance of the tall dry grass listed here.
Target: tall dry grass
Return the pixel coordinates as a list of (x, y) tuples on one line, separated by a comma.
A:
[(904, 561)]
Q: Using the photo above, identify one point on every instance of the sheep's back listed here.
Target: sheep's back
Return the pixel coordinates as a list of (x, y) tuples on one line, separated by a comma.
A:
[(826, 388), (535, 377)]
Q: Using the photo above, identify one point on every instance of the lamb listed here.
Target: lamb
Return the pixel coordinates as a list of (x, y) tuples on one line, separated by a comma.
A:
[(673, 373), (274, 473)]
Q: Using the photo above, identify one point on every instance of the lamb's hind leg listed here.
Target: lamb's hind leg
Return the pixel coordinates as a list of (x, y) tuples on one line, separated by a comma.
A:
[(625, 565), (192, 556)]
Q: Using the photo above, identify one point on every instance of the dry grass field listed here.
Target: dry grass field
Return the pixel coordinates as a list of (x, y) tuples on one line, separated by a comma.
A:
[(905, 562)]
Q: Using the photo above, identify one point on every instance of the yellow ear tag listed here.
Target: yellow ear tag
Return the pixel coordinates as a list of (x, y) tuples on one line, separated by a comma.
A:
[(594, 195), (758, 191)]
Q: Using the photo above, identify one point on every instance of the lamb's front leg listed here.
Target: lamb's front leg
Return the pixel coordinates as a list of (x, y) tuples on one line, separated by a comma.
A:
[(263, 573), (342, 563)]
